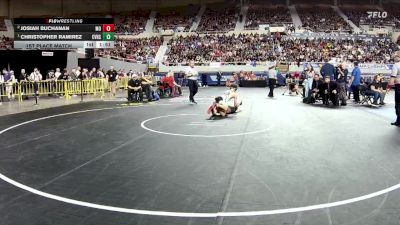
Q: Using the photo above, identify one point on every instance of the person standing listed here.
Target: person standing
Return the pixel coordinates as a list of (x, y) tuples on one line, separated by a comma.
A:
[(1, 86), (328, 70), (192, 76), (272, 76), (395, 82), (219, 76), (355, 82), (308, 80), (112, 76), (36, 77), (22, 79), (9, 80), (57, 74), (204, 80), (341, 78)]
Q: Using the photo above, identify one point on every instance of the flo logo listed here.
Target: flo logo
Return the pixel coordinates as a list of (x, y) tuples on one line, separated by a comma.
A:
[(377, 14)]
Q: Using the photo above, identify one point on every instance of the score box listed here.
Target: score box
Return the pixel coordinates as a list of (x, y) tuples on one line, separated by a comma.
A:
[(108, 27), (108, 36)]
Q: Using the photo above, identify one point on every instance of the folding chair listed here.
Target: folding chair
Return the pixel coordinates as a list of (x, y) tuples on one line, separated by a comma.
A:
[(365, 97)]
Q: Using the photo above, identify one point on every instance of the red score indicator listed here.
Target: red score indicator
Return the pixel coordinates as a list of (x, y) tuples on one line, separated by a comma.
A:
[(108, 28)]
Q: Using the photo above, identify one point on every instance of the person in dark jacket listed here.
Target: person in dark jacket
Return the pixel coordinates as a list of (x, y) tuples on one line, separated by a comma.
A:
[(219, 76), (328, 70), (315, 89), (341, 79), (329, 91)]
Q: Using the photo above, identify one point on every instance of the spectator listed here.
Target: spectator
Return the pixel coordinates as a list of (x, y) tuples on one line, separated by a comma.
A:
[(3, 26), (246, 48), (259, 14), (375, 89), (132, 24), (134, 50), (322, 19), (341, 79), (36, 77), (176, 19), (6, 42), (359, 16), (218, 18), (57, 74)]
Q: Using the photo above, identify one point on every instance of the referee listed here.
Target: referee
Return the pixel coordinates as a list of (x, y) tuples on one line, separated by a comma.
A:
[(271, 81), (395, 82), (192, 76)]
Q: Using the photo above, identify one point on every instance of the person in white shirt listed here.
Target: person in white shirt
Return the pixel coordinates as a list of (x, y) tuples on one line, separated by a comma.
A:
[(192, 75), (35, 77), (78, 71), (272, 76), (9, 79), (395, 82), (307, 83), (57, 74)]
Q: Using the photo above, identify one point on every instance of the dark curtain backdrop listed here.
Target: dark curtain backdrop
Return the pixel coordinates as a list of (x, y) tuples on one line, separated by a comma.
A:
[(21, 59), (89, 63)]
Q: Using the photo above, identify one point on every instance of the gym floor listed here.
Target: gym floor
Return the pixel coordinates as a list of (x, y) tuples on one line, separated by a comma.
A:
[(278, 161)]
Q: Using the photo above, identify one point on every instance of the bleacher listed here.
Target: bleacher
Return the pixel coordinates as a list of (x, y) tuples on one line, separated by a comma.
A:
[(247, 48), (133, 50), (178, 18), (219, 18), (132, 22), (312, 2), (359, 16), (393, 10), (3, 26), (6, 43), (271, 15), (322, 19), (267, 3)]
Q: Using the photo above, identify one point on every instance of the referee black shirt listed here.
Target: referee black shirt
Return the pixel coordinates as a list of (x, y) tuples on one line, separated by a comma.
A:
[(112, 75), (135, 83)]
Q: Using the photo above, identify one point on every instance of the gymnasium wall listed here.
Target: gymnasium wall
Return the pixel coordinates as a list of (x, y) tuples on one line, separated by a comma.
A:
[(31, 8), (35, 8), (3, 8), (73, 57)]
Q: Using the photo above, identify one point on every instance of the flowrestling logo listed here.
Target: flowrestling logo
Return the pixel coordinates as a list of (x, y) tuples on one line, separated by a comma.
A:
[(377, 15)]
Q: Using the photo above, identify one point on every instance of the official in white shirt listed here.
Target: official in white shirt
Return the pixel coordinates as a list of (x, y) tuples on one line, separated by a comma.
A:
[(272, 76), (192, 75)]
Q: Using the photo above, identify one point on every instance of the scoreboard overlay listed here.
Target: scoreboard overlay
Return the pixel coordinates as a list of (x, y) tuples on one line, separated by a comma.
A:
[(63, 33)]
